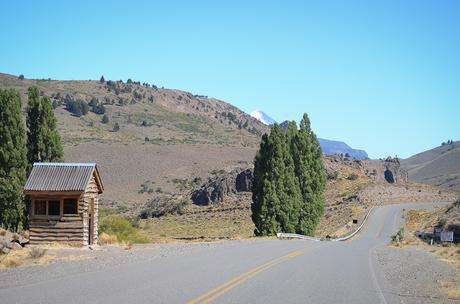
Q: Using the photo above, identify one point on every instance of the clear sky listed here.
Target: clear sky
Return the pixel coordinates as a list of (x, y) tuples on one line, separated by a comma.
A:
[(380, 75)]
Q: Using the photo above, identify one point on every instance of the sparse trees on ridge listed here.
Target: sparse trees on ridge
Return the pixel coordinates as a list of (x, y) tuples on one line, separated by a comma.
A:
[(289, 181), (43, 140)]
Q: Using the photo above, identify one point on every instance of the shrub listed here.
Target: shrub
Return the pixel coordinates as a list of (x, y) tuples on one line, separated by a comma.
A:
[(37, 253), (21, 77), (105, 119), (156, 208), (121, 228), (398, 237), (352, 177), (77, 107)]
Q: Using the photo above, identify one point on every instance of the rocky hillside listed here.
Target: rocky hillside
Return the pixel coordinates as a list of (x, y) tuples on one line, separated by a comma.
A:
[(439, 166), (219, 207)]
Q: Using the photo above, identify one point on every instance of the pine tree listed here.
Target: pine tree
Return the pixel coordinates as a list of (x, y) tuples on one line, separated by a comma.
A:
[(43, 140), (311, 177), (12, 160)]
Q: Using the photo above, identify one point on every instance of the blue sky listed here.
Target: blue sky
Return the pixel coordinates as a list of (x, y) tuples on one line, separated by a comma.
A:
[(380, 75)]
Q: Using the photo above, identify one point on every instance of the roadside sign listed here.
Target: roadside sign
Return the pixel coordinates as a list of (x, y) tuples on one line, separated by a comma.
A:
[(447, 236)]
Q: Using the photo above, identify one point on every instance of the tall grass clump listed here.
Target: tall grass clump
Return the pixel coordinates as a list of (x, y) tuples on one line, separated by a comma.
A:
[(120, 227)]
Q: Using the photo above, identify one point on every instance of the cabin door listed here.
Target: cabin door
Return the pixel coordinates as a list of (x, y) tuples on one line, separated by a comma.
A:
[(91, 222)]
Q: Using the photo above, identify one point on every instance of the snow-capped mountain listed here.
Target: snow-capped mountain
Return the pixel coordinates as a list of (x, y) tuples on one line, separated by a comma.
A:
[(262, 117)]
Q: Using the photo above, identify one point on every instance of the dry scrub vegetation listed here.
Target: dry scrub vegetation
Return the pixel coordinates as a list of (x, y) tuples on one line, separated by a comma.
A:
[(424, 221), (24, 257)]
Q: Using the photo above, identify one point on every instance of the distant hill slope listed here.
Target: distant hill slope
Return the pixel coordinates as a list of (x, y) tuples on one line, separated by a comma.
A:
[(439, 166), (167, 138), (333, 147)]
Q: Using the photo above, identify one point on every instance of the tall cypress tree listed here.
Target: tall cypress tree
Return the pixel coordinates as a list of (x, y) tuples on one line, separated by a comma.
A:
[(264, 197), (43, 140), (13, 160), (311, 176), (276, 193), (34, 142)]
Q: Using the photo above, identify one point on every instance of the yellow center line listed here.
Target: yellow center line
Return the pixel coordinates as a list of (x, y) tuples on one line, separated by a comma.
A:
[(224, 288)]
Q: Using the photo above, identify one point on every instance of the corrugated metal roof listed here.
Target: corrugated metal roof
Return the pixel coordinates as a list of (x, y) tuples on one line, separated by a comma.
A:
[(60, 176)]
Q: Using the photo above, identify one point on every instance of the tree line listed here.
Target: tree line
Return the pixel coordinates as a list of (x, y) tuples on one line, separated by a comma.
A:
[(22, 144), (289, 181)]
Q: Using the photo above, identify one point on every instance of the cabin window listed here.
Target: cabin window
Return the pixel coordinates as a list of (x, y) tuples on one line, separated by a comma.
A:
[(70, 206), (54, 207), (40, 207)]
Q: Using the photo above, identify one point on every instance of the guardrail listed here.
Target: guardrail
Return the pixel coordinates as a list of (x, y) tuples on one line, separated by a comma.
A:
[(340, 239)]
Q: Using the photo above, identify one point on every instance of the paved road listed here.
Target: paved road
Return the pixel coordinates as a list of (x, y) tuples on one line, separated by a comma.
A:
[(265, 271)]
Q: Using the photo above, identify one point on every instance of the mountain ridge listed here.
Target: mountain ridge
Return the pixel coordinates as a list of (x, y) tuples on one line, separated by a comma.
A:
[(334, 147)]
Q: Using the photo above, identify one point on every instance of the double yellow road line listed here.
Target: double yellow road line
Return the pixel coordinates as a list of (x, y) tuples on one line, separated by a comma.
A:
[(224, 288)]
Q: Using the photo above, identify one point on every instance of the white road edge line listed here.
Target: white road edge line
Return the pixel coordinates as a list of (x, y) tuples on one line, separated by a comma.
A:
[(374, 277)]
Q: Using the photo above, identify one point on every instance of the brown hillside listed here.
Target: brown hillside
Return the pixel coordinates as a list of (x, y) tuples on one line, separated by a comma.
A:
[(184, 136), (439, 166)]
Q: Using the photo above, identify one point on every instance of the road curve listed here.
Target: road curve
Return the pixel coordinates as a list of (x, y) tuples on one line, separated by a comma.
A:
[(261, 271)]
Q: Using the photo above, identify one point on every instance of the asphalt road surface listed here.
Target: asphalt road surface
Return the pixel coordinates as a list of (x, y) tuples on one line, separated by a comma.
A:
[(262, 271)]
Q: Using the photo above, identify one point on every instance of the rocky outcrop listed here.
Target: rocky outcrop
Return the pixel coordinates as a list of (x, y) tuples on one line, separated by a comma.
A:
[(11, 241), (393, 173), (217, 188)]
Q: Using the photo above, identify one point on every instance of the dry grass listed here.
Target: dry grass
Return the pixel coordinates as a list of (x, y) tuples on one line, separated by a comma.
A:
[(112, 240), (25, 257), (107, 239), (423, 221), (449, 254), (126, 245), (231, 220), (11, 262), (451, 289)]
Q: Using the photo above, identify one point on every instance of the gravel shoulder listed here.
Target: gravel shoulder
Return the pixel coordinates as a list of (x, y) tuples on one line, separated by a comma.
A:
[(412, 275)]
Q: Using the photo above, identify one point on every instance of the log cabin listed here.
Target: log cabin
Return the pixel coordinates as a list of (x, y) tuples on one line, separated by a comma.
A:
[(63, 203)]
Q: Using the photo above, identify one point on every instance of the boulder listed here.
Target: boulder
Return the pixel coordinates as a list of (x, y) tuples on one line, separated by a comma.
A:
[(15, 246), (218, 187)]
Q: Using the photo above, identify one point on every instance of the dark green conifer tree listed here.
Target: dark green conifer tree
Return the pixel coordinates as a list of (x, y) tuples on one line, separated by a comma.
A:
[(276, 193), (13, 160), (311, 176), (34, 142)]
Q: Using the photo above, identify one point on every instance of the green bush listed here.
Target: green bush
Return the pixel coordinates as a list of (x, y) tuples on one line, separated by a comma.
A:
[(77, 107), (398, 237), (156, 208), (122, 229)]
